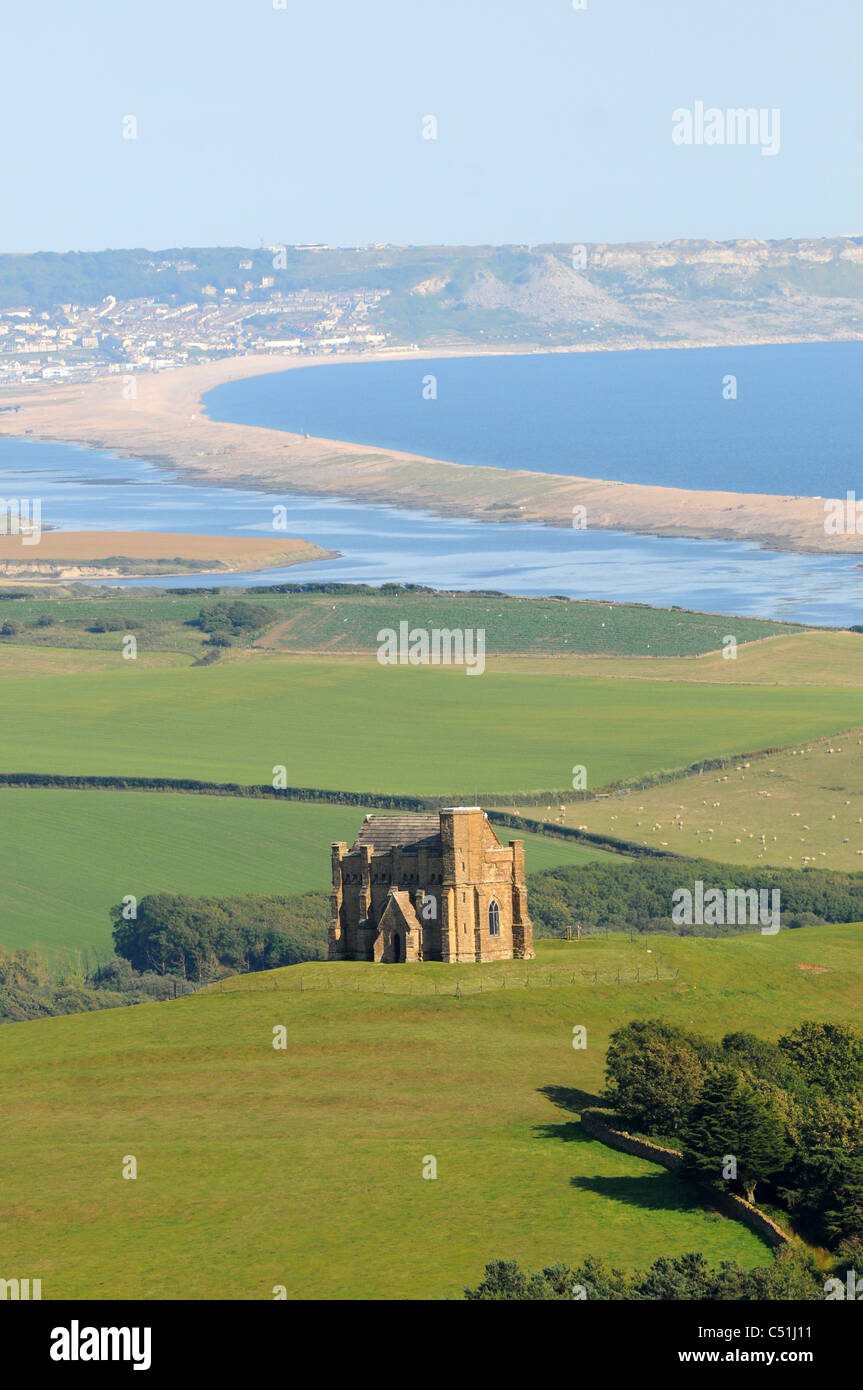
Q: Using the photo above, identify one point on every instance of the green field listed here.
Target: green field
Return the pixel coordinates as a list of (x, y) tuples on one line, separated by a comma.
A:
[(364, 727), (530, 625), (69, 856), (302, 1167), (350, 622)]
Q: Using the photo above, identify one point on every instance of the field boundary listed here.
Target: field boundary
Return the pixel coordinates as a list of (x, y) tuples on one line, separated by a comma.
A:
[(510, 819), (265, 792)]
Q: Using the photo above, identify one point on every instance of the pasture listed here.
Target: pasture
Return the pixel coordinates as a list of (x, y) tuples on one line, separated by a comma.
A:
[(801, 807), (302, 1167)]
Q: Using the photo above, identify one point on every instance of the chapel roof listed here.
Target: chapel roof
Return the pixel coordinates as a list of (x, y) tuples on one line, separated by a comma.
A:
[(410, 832)]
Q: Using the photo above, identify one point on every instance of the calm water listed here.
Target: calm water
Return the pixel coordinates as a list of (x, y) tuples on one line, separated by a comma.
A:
[(637, 417), (87, 490)]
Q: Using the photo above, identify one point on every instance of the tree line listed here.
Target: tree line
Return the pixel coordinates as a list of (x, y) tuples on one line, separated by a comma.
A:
[(636, 895), (202, 938), (784, 1118)]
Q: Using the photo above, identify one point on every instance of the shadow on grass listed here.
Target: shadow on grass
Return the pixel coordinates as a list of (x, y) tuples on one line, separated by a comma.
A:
[(651, 1191), (656, 1191), (572, 1132), (569, 1098), (573, 1101)]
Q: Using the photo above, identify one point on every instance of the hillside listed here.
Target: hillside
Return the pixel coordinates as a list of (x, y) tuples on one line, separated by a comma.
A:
[(629, 293), (303, 1166)]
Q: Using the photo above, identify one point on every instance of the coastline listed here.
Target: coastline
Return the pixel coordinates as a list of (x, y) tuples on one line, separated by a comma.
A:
[(167, 425)]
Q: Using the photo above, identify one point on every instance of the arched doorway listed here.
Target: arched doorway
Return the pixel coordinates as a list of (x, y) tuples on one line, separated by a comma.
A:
[(397, 947)]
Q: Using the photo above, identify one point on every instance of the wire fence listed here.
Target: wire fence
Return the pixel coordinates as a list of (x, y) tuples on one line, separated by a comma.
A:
[(394, 983)]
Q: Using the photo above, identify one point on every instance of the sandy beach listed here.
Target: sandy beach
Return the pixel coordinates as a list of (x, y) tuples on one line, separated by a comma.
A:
[(165, 423)]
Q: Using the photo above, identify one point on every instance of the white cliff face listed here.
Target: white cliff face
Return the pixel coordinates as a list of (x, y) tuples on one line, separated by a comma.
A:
[(642, 293)]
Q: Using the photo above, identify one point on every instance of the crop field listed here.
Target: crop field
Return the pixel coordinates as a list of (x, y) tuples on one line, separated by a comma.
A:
[(802, 806), (304, 1165), (365, 727), (69, 856)]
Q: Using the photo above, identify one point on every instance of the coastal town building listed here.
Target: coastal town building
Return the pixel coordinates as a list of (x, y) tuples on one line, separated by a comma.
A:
[(429, 887)]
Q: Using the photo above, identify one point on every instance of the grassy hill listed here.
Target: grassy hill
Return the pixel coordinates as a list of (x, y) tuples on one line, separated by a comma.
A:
[(105, 844), (302, 1167), (350, 621), (512, 625)]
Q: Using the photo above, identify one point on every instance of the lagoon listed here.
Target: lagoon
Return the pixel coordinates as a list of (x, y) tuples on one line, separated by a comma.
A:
[(83, 489)]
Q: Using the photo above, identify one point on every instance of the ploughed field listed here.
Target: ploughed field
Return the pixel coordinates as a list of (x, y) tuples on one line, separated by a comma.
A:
[(68, 554), (303, 1166)]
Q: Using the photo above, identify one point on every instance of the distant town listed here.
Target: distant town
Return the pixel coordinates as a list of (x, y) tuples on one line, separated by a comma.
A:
[(82, 341)]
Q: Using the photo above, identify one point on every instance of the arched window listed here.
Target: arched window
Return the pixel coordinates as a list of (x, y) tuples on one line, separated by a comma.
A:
[(493, 918)]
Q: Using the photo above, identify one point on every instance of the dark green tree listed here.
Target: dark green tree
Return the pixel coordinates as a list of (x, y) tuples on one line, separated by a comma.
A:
[(730, 1121), (654, 1073)]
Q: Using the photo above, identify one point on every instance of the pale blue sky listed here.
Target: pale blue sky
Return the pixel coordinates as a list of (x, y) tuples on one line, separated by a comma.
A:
[(304, 123)]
